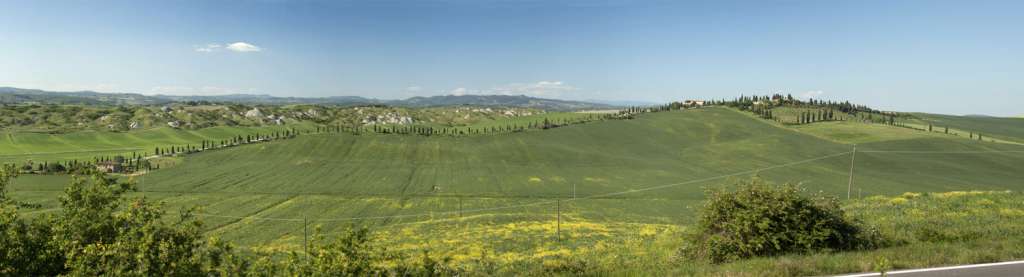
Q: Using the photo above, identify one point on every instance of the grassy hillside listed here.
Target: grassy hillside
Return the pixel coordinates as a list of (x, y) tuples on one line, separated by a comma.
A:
[(1005, 128), (599, 158), (791, 114), (504, 187), (21, 146)]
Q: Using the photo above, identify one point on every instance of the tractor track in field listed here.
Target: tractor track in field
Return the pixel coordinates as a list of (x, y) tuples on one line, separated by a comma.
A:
[(409, 181), (239, 220)]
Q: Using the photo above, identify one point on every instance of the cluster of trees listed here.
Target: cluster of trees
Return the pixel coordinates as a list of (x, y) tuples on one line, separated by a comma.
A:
[(673, 106), (32, 167), (119, 163), (807, 117), (762, 106), (546, 123), (776, 100), (134, 163), (629, 112), (744, 102), (763, 112), (100, 231), (634, 110)]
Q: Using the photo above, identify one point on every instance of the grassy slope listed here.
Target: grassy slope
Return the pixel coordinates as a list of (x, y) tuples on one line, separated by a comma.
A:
[(19, 147), (999, 127), (340, 176), (611, 156)]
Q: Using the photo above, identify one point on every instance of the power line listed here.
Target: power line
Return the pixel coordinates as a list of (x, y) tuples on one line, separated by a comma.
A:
[(849, 186), (941, 152)]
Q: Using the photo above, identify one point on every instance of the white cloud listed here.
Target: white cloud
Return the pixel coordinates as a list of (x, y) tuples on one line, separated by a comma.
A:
[(413, 88), (812, 94), (540, 89), (208, 48), (188, 90), (549, 89), (459, 91), (243, 47)]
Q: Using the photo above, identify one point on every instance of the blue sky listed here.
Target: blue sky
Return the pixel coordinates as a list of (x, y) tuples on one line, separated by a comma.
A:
[(957, 57)]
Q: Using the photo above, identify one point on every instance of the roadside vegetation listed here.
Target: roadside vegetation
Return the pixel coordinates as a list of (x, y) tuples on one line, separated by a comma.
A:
[(759, 229), (759, 219), (99, 231)]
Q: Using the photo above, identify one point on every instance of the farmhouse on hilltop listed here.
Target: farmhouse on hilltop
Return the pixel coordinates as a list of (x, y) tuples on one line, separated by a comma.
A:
[(694, 103)]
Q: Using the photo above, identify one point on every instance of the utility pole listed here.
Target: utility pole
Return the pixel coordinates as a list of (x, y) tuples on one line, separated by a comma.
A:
[(849, 186), (574, 191), (305, 236), (558, 209), (460, 207)]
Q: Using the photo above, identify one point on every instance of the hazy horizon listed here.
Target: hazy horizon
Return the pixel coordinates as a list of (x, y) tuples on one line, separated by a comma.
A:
[(944, 57)]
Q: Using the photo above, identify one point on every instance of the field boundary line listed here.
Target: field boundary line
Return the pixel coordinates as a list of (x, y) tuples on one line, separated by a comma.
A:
[(263, 209)]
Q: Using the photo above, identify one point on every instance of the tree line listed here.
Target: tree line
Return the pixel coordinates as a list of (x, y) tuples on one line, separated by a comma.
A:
[(137, 162), (814, 110), (452, 131)]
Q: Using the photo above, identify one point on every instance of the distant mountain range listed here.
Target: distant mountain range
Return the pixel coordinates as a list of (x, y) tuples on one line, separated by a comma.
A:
[(11, 95), (623, 103), (17, 95)]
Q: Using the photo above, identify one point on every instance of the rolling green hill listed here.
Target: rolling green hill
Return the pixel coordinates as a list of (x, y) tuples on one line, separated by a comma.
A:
[(628, 177), (19, 147), (1005, 128)]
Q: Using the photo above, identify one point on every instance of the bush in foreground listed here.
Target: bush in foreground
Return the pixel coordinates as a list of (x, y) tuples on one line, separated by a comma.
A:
[(761, 219), (97, 234)]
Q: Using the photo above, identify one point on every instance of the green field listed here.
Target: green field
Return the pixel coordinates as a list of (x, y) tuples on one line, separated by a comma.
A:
[(40, 147), (461, 195), (1004, 128)]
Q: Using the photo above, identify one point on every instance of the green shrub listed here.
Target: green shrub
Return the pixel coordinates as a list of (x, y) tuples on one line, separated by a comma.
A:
[(761, 219), (97, 234)]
